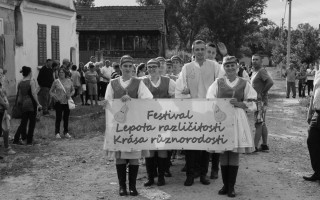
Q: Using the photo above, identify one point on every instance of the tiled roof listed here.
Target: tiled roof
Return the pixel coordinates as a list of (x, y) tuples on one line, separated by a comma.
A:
[(121, 18), (47, 3)]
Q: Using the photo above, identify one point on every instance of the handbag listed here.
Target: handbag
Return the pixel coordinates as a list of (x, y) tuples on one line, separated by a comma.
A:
[(16, 112), (71, 103), (6, 121)]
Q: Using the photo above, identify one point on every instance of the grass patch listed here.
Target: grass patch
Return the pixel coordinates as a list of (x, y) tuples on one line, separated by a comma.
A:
[(84, 121)]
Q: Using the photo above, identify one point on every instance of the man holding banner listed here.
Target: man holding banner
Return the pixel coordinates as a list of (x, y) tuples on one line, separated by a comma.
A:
[(160, 87), (193, 82), (126, 87)]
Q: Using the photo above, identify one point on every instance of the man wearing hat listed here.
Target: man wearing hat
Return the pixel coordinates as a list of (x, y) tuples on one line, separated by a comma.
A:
[(193, 82)]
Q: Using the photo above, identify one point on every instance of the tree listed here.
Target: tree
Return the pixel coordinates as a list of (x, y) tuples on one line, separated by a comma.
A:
[(87, 3), (305, 46), (183, 18), (230, 21), (148, 2)]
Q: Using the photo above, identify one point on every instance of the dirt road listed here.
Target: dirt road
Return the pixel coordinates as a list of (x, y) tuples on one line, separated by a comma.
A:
[(77, 169)]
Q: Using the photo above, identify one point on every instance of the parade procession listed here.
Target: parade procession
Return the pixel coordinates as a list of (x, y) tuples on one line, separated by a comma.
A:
[(159, 99)]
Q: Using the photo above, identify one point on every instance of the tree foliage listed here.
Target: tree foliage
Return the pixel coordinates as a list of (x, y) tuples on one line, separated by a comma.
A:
[(148, 2), (305, 46), (87, 3), (230, 21)]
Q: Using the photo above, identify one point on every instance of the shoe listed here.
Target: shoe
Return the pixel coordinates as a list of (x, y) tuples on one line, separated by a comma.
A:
[(184, 169), (167, 174), (58, 136), (287, 97), (264, 147), (29, 144), (256, 150), (122, 176), (214, 174), (204, 180), (67, 135), (150, 170), (312, 178), (223, 191), (294, 97), (189, 181), (17, 143), (9, 151), (224, 174), (133, 172)]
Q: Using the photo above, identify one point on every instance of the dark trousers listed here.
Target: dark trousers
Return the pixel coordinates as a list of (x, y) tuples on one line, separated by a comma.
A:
[(310, 86), (313, 142), (194, 157), (103, 88), (44, 98), (291, 86), (301, 89), (29, 116), (215, 161), (62, 109)]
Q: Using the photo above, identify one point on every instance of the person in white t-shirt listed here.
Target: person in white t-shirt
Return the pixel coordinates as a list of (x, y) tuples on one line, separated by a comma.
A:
[(105, 76)]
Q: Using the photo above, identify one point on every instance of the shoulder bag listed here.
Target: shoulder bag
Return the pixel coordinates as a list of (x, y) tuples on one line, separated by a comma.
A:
[(71, 103)]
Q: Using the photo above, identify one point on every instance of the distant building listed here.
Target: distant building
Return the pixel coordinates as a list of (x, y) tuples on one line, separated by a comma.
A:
[(35, 31), (113, 31)]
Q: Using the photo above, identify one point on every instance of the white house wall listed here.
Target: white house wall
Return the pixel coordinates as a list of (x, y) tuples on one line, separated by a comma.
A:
[(34, 14)]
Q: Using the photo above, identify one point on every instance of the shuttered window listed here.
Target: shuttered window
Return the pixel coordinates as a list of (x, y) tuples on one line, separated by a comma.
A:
[(42, 44), (55, 45)]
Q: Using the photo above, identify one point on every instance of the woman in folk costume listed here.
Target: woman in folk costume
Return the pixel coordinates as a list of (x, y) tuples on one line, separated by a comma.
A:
[(313, 140), (126, 87), (241, 92), (160, 87)]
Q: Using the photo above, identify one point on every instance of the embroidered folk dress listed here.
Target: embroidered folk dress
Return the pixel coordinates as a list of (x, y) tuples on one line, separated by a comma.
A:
[(242, 91), (136, 89)]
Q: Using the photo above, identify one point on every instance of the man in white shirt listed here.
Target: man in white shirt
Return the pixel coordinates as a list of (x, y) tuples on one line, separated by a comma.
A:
[(105, 76), (193, 82), (92, 61)]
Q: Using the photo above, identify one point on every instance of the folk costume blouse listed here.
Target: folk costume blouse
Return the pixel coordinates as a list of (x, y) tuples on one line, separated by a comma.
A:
[(135, 88), (242, 91), (197, 78)]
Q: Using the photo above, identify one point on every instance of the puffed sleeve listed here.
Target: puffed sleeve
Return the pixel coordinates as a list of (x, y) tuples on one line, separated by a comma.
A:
[(249, 95), (181, 84), (143, 91), (109, 92), (172, 87), (212, 90)]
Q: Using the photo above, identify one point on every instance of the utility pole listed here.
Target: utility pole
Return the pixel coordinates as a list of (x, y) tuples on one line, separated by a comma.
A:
[(289, 35)]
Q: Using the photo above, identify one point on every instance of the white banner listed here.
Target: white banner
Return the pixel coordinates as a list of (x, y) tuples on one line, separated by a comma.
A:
[(157, 124)]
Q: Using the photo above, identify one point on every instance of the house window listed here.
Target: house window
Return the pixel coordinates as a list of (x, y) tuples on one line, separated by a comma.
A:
[(42, 44), (55, 45)]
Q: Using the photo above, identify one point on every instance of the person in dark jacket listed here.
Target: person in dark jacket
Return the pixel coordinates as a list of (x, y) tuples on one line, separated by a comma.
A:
[(45, 80)]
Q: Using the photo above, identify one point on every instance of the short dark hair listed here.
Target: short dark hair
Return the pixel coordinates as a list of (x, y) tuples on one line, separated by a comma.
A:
[(48, 60), (74, 67), (258, 55), (25, 71), (198, 42), (91, 65), (211, 44)]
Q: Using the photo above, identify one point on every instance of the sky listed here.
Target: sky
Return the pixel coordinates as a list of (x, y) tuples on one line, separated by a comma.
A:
[(303, 11)]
